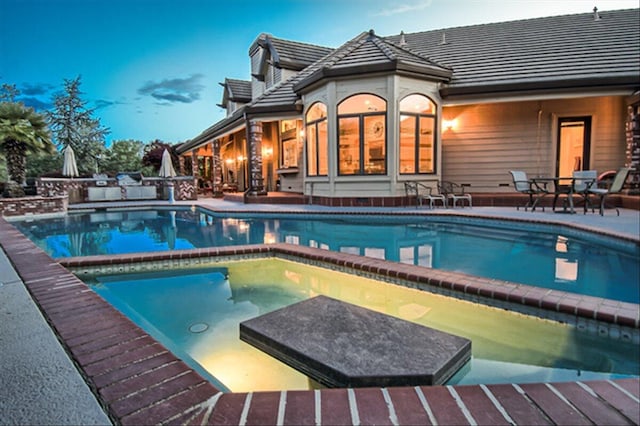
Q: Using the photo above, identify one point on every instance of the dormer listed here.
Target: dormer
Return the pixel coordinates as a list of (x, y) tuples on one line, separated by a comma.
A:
[(236, 93), (275, 60)]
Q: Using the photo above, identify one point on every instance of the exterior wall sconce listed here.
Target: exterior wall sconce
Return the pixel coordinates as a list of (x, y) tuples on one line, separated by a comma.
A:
[(267, 152), (450, 124)]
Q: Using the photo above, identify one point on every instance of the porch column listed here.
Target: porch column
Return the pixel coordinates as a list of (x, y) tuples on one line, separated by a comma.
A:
[(216, 168), (633, 142), (256, 180), (194, 166), (181, 166)]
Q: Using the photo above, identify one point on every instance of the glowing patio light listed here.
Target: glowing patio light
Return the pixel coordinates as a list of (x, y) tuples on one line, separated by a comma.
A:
[(450, 124)]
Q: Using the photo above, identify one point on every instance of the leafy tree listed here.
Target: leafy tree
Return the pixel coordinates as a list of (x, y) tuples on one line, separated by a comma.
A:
[(153, 154), (22, 131), (73, 125), (123, 156), (45, 164)]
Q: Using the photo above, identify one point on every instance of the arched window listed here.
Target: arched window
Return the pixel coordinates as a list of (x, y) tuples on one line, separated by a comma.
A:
[(417, 135), (362, 136), (317, 140)]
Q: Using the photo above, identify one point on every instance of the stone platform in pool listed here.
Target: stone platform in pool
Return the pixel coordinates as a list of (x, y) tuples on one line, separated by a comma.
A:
[(338, 344)]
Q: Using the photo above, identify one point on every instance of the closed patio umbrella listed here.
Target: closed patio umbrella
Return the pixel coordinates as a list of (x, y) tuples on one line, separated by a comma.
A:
[(69, 167), (166, 167), (167, 171)]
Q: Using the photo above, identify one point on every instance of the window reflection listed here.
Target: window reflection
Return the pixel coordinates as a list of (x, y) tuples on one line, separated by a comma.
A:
[(421, 255), (566, 270), (375, 252)]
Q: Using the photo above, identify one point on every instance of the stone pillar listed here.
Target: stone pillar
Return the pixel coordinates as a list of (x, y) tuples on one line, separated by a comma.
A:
[(633, 142), (216, 169), (195, 170), (181, 166), (194, 165), (256, 180)]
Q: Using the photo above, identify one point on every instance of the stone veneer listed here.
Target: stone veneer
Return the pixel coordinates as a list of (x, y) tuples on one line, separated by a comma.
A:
[(137, 380), (33, 205), (77, 189)]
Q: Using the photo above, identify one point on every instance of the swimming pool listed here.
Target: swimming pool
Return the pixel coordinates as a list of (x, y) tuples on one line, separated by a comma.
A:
[(196, 313), (564, 260)]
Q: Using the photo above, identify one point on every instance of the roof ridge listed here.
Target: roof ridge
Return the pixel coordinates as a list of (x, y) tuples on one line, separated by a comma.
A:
[(382, 45), (237, 79), (298, 42), (344, 50), (407, 50), (540, 18)]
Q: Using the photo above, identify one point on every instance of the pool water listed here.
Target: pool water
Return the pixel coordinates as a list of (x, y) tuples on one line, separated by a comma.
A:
[(579, 263), (197, 312)]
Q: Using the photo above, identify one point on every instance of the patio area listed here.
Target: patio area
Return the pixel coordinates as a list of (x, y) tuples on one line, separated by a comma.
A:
[(55, 387)]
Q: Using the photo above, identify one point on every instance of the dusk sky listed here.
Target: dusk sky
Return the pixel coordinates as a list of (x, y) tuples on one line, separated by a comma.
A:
[(152, 68)]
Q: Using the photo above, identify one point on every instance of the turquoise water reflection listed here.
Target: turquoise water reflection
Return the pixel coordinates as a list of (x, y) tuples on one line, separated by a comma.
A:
[(197, 312), (593, 266)]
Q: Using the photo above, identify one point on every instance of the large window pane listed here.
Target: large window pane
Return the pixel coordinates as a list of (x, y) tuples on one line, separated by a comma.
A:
[(323, 148), (359, 104), (349, 146), (362, 135), (312, 151), (317, 140), (374, 145), (425, 151), (407, 144), (417, 135), (316, 112), (418, 104)]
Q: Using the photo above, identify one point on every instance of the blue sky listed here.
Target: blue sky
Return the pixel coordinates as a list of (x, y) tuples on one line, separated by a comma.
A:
[(152, 68)]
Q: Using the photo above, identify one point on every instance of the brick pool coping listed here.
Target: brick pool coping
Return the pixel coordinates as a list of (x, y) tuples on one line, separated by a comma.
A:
[(137, 380)]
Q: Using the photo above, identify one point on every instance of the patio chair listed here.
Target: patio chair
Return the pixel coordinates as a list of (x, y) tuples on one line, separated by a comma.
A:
[(615, 188), (454, 192), (422, 192), (529, 187), (583, 180)]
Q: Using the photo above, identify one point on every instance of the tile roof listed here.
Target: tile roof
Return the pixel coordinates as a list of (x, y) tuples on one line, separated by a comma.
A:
[(236, 90), (559, 51), (295, 55), (365, 53), (368, 53)]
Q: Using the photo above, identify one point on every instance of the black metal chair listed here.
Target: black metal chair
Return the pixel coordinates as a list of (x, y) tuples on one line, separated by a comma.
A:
[(583, 180), (423, 192), (615, 188), (529, 187), (454, 192)]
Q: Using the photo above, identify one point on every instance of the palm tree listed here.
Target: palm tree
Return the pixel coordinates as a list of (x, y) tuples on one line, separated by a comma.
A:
[(22, 131)]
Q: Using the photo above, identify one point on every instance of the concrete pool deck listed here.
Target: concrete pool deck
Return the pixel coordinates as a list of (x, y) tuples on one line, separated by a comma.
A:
[(34, 399)]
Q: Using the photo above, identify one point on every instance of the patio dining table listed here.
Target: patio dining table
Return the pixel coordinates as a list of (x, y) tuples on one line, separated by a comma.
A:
[(561, 186)]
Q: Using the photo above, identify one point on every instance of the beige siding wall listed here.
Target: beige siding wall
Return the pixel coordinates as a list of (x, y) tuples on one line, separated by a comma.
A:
[(488, 140)]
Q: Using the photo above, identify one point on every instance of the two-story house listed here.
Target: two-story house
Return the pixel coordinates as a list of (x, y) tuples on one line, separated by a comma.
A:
[(350, 125)]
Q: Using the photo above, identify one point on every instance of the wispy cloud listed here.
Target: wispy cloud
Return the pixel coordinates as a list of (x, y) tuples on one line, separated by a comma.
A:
[(35, 89), (105, 103), (34, 103), (399, 8), (183, 90)]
